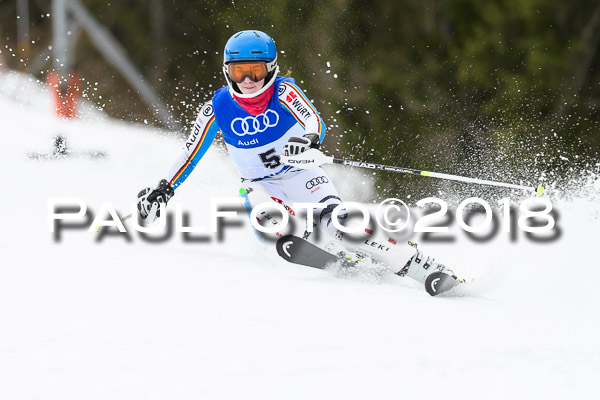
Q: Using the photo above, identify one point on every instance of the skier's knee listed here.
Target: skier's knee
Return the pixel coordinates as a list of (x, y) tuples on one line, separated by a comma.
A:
[(326, 220)]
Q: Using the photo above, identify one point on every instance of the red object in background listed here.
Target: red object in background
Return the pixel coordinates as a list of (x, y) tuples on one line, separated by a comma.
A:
[(65, 94)]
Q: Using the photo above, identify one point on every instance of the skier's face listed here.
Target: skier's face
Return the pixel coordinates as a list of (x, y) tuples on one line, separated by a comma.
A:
[(248, 86)]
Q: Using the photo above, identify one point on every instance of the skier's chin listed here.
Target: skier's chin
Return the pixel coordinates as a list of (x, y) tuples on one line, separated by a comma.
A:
[(250, 87), (249, 90)]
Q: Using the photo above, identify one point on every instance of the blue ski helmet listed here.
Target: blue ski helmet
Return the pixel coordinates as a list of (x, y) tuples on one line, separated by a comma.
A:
[(251, 46)]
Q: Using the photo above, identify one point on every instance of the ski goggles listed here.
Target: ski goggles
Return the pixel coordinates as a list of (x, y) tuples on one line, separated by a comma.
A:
[(255, 70)]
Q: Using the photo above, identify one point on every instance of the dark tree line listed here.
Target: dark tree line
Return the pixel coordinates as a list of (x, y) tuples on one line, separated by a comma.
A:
[(503, 89)]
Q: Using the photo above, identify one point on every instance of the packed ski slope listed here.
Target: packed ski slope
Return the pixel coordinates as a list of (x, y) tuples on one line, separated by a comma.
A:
[(118, 319)]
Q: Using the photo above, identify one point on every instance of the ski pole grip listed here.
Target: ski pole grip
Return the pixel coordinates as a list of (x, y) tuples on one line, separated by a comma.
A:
[(311, 158)]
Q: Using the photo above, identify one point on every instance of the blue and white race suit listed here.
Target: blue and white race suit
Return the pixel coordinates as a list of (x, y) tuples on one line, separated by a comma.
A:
[(255, 142)]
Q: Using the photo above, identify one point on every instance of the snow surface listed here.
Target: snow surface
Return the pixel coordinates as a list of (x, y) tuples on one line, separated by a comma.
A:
[(230, 320)]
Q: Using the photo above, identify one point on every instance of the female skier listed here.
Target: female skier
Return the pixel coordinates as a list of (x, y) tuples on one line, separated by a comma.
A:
[(261, 117)]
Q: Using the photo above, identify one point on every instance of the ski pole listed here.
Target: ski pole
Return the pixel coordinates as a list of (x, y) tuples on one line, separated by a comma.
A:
[(313, 158), (125, 218)]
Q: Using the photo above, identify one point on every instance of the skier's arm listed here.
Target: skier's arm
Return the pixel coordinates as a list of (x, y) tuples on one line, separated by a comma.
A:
[(293, 99), (202, 135)]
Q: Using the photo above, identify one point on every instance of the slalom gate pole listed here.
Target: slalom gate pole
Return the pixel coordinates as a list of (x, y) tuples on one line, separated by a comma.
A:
[(538, 190)]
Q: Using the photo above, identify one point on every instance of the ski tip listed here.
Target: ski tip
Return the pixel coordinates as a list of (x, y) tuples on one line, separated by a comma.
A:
[(439, 282), (539, 190)]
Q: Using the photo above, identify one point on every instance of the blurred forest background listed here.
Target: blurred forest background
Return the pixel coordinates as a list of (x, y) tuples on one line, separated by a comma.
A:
[(506, 90)]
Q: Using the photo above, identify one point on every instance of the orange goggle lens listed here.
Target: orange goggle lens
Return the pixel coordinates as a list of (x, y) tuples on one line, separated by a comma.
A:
[(254, 70)]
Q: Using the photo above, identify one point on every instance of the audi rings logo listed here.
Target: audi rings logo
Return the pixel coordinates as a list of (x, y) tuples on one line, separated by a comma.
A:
[(255, 124), (316, 181)]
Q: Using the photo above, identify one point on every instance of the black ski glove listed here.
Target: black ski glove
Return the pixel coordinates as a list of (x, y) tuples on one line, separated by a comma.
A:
[(149, 200), (297, 145)]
